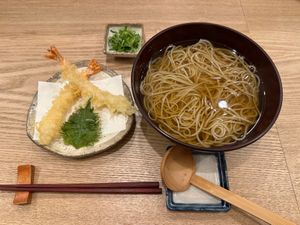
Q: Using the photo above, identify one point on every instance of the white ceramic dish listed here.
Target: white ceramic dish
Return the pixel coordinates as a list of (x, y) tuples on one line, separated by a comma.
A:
[(211, 166), (138, 28), (104, 143)]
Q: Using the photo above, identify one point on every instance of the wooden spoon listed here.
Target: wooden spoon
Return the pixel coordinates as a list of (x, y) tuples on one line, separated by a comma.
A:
[(178, 172)]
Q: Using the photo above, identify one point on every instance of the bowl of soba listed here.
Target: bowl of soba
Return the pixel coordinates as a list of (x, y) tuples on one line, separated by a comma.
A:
[(206, 86)]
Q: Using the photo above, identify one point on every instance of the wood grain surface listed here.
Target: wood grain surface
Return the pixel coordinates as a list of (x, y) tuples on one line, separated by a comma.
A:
[(266, 172)]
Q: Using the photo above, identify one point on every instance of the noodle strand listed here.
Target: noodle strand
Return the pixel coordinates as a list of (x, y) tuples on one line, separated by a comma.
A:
[(202, 95)]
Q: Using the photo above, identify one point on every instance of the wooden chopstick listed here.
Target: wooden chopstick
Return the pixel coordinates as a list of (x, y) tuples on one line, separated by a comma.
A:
[(104, 190), (85, 185), (109, 188)]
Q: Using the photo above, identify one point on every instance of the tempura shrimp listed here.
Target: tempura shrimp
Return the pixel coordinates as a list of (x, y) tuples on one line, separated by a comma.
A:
[(99, 98), (79, 85), (50, 125)]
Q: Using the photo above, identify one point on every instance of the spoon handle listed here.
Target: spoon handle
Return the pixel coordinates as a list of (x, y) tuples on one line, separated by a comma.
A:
[(239, 201)]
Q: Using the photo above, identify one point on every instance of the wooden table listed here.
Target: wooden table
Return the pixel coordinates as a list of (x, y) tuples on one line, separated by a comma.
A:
[(266, 172)]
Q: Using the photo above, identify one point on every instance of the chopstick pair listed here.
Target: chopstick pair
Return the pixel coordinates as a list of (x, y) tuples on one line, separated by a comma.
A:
[(108, 188)]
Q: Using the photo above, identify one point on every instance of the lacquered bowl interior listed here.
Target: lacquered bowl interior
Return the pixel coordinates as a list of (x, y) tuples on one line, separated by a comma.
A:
[(184, 34)]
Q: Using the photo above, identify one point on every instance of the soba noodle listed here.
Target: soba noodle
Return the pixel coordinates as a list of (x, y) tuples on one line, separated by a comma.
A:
[(202, 95)]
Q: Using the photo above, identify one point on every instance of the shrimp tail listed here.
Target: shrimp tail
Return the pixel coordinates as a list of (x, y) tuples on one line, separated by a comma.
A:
[(53, 53), (93, 68)]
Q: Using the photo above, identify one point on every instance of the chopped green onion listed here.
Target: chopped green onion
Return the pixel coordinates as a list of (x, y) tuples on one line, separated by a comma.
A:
[(124, 40)]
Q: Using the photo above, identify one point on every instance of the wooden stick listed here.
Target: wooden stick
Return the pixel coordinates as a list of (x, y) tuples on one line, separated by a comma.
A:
[(89, 190), (239, 201), (86, 185)]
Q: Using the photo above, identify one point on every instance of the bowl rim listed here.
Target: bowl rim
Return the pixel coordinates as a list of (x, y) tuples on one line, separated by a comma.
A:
[(226, 147)]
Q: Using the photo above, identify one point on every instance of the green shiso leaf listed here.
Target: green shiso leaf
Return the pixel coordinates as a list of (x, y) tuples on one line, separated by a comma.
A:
[(82, 128), (125, 40)]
